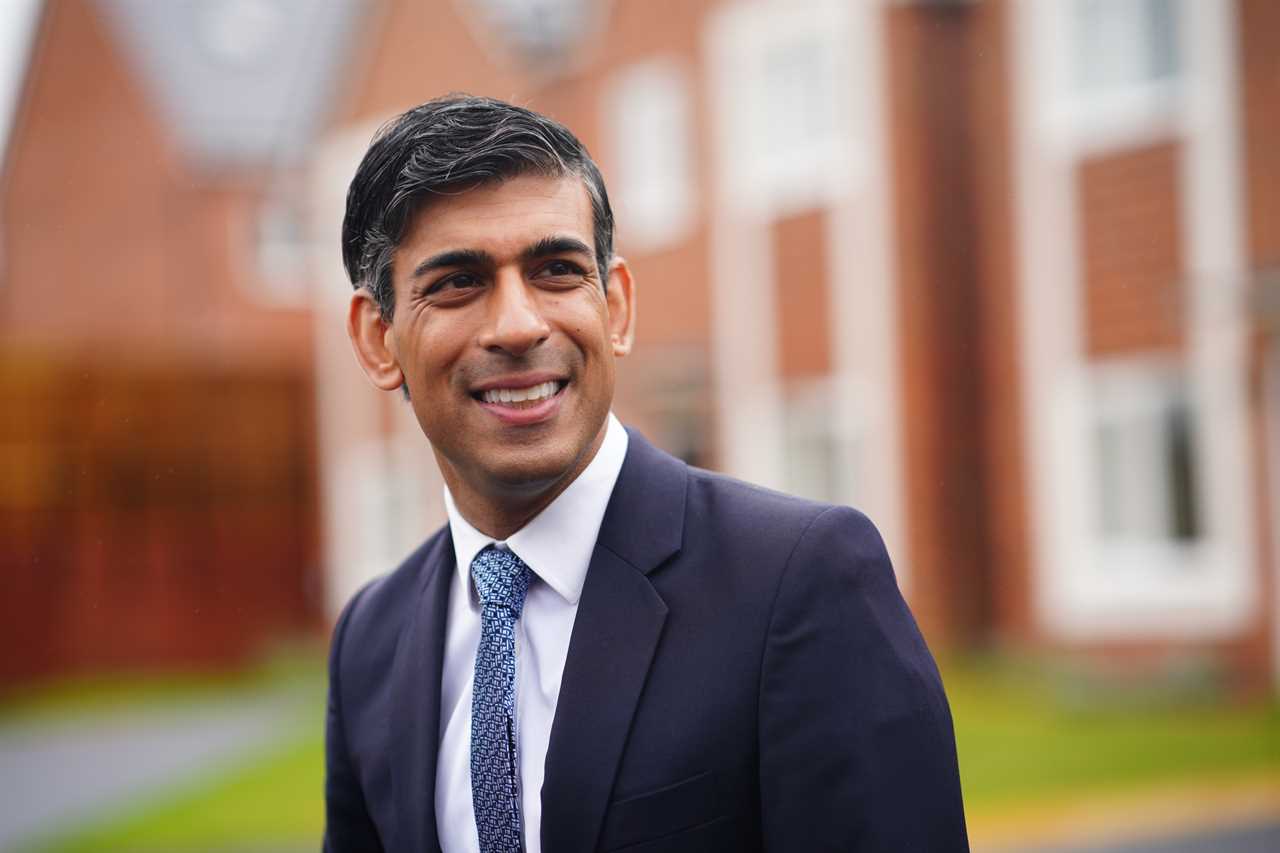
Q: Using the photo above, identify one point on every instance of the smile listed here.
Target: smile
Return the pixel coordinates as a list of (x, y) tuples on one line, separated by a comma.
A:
[(521, 397), (524, 405)]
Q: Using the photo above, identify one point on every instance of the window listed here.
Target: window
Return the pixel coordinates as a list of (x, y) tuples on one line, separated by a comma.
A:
[(649, 134), (1118, 71), (1145, 456), (1124, 43), (387, 498), (817, 453), (785, 79), (541, 32), (796, 99), (280, 242)]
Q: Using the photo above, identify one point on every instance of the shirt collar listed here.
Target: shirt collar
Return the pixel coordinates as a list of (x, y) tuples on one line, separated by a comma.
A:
[(557, 543)]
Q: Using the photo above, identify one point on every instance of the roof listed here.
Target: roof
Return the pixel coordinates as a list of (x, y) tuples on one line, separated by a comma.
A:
[(242, 83)]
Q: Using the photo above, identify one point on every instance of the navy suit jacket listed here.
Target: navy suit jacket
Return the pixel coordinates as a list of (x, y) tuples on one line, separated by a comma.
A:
[(743, 675)]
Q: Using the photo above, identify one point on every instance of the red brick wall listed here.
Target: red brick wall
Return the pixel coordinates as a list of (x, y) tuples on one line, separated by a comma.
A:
[(931, 83), (802, 294), (1259, 39), (85, 210), (1131, 247), (1003, 428)]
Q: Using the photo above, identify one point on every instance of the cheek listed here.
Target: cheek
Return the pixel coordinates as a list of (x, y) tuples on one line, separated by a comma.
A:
[(587, 324), (435, 348)]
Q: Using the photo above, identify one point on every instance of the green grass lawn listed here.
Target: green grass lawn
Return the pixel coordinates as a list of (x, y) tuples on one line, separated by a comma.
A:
[(1018, 741)]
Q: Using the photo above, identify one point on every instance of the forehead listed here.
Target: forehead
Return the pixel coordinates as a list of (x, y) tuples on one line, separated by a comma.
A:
[(500, 218)]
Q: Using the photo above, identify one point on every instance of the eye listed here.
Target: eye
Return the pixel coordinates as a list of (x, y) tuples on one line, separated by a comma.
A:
[(459, 281), (560, 268)]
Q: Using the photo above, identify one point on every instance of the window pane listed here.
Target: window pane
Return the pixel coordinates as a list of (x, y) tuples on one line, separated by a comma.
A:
[(1162, 39), (797, 96), (650, 148), (1183, 510), (817, 454), (1144, 452), (1122, 43)]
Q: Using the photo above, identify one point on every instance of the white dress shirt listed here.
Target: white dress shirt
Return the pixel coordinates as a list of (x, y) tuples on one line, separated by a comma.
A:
[(557, 546)]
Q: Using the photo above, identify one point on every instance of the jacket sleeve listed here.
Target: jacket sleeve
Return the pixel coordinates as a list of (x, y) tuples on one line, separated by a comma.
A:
[(857, 751), (348, 826)]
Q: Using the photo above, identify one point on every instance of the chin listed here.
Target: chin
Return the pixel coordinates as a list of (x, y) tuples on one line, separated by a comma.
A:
[(532, 469)]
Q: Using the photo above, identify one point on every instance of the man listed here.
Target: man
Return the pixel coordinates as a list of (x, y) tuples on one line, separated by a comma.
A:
[(604, 649)]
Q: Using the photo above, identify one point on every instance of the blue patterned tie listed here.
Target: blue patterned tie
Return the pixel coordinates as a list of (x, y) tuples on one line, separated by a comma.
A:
[(502, 580)]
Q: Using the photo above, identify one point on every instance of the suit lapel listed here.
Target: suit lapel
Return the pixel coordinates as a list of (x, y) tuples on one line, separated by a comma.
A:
[(415, 714), (616, 631)]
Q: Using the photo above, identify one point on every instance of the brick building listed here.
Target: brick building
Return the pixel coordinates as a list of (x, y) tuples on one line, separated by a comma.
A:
[(1001, 273), (157, 494)]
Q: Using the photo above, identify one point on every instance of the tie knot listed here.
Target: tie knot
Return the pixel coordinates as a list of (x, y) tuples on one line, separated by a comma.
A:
[(501, 578)]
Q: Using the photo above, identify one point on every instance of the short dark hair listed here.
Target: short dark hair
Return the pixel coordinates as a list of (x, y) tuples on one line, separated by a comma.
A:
[(449, 145)]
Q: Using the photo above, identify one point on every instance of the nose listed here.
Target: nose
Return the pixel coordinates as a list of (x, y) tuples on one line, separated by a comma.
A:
[(515, 324)]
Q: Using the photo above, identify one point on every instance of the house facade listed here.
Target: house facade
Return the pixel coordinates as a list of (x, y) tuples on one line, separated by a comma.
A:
[(157, 453), (1004, 274)]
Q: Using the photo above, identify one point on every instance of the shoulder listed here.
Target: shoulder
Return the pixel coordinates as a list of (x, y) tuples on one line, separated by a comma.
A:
[(711, 517), (745, 510)]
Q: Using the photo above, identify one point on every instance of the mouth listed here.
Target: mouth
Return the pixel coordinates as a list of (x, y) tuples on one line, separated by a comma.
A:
[(521, 398), (525, 404)]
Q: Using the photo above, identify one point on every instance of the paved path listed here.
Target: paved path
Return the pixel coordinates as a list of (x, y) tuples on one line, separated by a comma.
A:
[(1204, 815), (1252, 838), (56, 774)]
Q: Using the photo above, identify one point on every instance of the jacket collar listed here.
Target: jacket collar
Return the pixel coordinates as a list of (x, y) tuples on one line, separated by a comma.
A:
[(415, 709), (619, 622), (644, 522)]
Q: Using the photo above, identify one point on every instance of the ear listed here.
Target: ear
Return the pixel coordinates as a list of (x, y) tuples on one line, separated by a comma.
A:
[(373, 340), (620, 295)]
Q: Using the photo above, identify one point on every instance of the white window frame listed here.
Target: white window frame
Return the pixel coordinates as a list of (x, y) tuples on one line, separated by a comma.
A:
[(649, 121), (809, 413), (1126, 392), (280, 262), (1080, 120), (820, 169)]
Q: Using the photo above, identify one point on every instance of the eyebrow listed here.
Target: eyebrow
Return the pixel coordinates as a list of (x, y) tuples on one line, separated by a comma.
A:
[(453, 258), (554, 245)]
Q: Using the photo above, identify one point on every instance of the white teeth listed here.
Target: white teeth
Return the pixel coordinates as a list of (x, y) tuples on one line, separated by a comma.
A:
[(519, 395)]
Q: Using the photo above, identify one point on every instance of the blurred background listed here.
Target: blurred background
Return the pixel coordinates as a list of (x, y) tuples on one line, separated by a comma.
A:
[(1005, 274)]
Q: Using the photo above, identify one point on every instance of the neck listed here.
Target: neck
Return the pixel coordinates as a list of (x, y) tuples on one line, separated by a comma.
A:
[(501, 519), (502, 511)]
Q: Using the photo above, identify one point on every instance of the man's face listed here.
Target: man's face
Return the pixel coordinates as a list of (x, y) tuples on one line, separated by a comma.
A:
[(505, 335)]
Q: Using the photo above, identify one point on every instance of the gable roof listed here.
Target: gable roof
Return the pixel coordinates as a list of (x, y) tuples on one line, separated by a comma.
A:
[(241, 83)]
